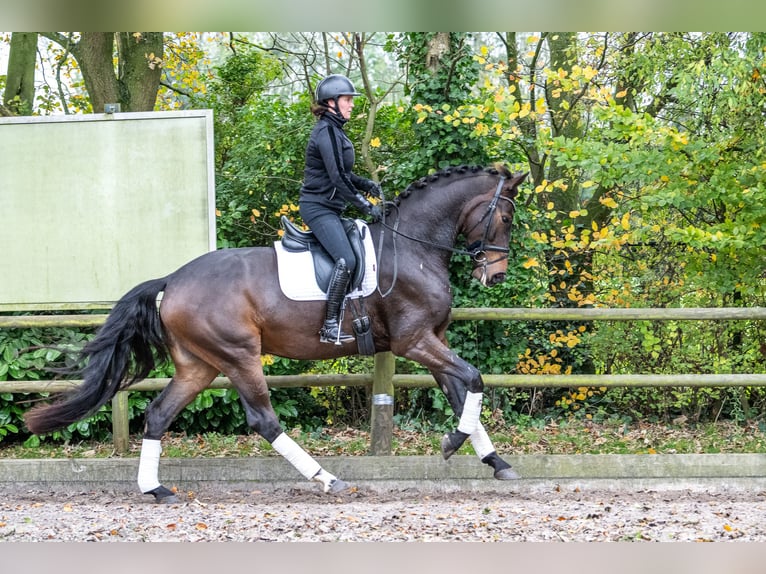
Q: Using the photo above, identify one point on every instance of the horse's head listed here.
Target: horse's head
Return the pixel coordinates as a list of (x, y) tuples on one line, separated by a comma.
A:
[(487, 226)]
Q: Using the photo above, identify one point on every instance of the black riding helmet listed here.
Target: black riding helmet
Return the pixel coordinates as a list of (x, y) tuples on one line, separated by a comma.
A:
[(334, 86)]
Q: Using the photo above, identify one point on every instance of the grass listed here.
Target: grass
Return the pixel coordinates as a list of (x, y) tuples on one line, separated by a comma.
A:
[(536, 437)]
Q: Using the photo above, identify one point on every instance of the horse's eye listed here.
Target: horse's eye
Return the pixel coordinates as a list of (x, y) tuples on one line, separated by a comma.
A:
[(506, 220)]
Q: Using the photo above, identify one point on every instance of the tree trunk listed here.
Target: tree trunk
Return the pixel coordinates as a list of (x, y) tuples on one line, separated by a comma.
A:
[(95, 53), (20, 82), (134, 85), (438, 47), (140, 69)]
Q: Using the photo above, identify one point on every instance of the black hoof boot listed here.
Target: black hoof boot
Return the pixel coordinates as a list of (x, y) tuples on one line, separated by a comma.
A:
[(451, 442), (163, 496), (503, 470)]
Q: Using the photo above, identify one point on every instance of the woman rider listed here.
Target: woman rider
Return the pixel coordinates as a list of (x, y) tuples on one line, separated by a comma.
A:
[(329, 186)]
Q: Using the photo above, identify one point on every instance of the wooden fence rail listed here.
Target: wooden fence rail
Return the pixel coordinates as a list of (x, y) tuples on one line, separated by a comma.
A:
[(383, 380)]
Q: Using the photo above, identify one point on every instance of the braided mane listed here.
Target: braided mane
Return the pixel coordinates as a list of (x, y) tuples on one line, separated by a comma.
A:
[(462, 170)]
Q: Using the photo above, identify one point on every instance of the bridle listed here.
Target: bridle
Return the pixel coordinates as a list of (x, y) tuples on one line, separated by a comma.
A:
[(477, 250)]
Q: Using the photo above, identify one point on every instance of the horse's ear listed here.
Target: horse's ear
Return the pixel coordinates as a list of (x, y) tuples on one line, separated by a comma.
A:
[(517, 179)]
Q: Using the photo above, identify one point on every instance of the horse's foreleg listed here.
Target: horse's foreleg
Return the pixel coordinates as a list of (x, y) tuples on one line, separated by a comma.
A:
[(263, 420), (460, 381), (486, 452)]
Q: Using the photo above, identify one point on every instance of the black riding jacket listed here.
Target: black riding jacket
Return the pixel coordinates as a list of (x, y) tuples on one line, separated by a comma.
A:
[(328, 182)]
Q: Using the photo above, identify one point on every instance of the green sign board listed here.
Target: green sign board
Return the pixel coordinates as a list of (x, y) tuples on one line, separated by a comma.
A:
[(92, 205)]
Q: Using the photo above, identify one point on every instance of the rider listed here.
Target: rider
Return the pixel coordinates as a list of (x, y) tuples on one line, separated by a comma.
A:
[(329, 186)]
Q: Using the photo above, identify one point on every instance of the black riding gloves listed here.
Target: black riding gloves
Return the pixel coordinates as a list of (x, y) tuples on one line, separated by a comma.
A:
[(376, 213), (375, 190), (368, 208)]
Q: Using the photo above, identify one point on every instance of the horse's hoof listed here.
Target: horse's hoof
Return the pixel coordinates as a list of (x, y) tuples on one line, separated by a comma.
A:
[(447, 449), (163, 496), (451, 442), (507, 474), (337, 486)]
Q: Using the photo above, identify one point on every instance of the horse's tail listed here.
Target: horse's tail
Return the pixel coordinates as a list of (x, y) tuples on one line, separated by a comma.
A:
[(121, 354)]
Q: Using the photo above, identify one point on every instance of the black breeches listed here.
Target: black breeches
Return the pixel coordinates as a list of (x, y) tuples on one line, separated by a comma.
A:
[(329, 230)]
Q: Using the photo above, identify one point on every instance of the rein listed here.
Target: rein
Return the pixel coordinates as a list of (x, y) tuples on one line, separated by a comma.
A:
[(476, 250)]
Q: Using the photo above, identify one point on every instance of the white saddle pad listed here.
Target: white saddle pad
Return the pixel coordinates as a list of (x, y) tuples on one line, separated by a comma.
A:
[(296, 271)]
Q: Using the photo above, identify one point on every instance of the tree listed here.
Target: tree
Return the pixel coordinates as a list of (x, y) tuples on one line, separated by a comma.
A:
[(18, 97), (441, 73), (134, 82)]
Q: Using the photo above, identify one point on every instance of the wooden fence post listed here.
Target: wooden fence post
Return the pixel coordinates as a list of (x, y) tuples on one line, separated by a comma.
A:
[(120, 423), (382, 413)]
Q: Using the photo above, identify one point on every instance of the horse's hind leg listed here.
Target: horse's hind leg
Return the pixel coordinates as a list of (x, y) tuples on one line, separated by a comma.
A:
[(250, 382), (192, 376)]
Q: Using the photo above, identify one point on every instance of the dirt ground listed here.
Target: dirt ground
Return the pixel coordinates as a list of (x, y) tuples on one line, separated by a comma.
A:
[(297, 514)]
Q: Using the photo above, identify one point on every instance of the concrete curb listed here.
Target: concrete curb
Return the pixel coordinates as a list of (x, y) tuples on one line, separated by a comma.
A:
[(697, 472)]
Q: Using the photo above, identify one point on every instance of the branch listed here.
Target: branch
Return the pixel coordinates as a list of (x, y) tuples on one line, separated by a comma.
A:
[(173, 88)]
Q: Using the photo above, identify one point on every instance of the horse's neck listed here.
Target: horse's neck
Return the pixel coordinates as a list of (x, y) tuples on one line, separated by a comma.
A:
[(433, 221)]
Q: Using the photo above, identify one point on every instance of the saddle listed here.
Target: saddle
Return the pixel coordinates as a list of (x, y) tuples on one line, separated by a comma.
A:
[(296, 240)]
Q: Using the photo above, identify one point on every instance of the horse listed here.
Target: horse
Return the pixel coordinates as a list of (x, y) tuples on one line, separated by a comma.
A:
[(219, 313)]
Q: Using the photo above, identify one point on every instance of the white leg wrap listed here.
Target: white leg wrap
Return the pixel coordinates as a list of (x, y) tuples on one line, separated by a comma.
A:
[(469, 420), (481, 442), (296, 456), (149, 464)]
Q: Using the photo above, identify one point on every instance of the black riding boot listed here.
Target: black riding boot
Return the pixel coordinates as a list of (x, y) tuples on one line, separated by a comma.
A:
[(336, 292)]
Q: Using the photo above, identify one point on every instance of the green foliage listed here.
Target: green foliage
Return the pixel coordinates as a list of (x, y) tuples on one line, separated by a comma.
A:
[(437, 85), (260, 144)]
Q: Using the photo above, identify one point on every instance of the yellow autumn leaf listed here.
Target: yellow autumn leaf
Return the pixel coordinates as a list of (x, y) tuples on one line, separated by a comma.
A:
[(574, 213), (608, 202), (531, 262), (622, 94), (375, 142), (625, 222), (587, 184), (256, 213), (550, 206)]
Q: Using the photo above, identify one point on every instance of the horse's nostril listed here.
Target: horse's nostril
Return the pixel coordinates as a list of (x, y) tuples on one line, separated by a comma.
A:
[(497, 278)]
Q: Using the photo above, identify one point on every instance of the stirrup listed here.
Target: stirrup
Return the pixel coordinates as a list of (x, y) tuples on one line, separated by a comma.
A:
[(332, 333)]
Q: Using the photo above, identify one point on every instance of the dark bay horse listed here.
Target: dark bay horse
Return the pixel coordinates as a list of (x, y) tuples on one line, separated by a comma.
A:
[(222, 311)]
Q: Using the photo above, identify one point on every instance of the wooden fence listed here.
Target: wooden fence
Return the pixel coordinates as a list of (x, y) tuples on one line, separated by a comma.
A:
[(383, 380)]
